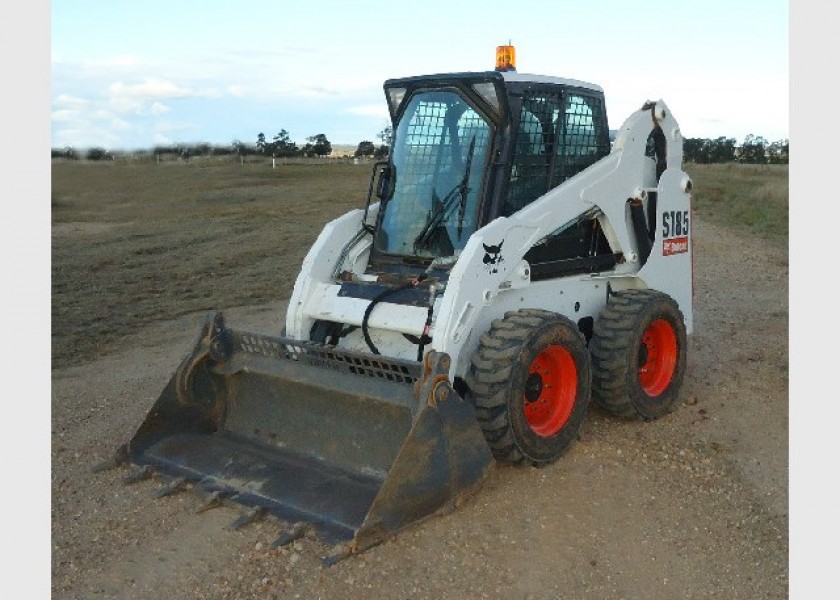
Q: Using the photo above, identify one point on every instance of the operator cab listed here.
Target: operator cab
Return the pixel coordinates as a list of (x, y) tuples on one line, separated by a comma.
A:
[(470, 147)]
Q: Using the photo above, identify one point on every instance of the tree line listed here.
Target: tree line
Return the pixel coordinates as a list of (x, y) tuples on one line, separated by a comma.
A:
[(279, 146), (754, 150), (282, 146)]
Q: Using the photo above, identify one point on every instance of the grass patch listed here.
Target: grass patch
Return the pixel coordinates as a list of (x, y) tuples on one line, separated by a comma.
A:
[(135, 244), (749, 198)]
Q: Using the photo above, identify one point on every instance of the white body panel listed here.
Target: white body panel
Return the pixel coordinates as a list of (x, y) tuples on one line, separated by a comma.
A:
[(476, 293)]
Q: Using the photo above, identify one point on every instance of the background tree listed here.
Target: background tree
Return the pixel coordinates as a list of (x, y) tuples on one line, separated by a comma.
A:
[(238, 148), (722, 150), (779, 152), (98, 153), (385, 135), (67, 152), (696, 150), (365, 148), (202, 149), (261, 144), (320, 145), (171, 149), (753, 150), (704, 151), (282, 145), (385, 149)]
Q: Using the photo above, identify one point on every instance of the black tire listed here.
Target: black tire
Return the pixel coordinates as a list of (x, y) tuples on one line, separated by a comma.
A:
[(530, 383), (638, 351)]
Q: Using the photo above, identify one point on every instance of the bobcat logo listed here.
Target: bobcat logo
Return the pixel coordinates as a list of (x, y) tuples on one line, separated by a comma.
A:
[(493, 256)]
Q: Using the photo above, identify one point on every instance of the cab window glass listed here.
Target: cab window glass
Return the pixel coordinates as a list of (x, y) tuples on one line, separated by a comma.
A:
[(584, 137), (535, 140)]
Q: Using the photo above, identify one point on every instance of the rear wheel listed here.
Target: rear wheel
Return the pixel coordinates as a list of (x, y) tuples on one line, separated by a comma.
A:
[(638, 354), (530, 384)]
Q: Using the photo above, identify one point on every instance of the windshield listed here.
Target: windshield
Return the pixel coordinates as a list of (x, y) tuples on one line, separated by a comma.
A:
[(439, 155)]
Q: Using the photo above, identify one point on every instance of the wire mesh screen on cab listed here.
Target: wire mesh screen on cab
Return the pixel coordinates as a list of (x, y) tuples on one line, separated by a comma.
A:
[(441, 143), (550, 149)]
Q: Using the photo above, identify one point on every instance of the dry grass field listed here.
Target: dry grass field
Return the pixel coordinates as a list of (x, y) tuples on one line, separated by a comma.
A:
[(748, 198), (136, 243)]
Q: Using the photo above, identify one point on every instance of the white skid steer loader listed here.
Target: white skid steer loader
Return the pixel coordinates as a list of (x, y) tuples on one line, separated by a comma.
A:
[(512, 266)]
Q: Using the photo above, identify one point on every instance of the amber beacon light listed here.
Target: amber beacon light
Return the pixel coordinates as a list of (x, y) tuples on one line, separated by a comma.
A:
[(505, 58)]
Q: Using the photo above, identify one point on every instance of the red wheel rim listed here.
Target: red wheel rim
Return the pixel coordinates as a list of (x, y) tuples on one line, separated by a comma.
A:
[(550, 391), (657, 357)]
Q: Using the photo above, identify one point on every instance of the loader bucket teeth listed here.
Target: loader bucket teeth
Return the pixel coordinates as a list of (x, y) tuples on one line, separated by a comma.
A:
[(248, 517), (213, 500), (138, 473), (336, 555), (178, 484), (119, 458), (106, 465), (351, 446), (298, 531)]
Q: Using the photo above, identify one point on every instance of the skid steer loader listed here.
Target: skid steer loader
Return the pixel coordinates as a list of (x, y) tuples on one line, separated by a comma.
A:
[(509, 265)]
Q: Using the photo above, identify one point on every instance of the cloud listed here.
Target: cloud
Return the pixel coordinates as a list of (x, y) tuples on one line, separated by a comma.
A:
[(68, 102), (119, 61), (83, 135), (315, 90), (64, 116), (147, 89), (146, 97), (121, 125), (162, 140), (369, 110), (158, 108)]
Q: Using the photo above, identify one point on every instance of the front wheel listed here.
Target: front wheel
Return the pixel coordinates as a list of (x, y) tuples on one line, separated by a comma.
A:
[(638, 350), (530, 383)]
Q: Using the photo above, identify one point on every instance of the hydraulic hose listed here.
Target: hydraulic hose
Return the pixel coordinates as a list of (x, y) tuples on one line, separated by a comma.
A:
[(379, 298), (637, 216), (424, 337), (439, 262)]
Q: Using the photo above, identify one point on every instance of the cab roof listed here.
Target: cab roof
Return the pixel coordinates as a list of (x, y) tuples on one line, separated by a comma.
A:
[(530, 78), (506, 76)]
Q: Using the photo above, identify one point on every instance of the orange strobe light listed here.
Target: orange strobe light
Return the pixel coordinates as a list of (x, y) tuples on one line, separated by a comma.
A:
[(505, 58)]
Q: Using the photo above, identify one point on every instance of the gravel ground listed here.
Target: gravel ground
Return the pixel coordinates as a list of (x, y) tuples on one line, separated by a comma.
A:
[(693, 505)]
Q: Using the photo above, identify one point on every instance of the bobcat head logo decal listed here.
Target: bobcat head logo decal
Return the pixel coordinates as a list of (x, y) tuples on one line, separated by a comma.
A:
[(493, 256)]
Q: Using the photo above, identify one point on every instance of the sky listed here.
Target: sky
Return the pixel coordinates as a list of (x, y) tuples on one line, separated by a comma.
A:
[(133, 75)]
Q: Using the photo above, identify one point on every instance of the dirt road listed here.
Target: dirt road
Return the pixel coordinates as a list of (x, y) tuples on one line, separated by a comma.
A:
[(691, 506)]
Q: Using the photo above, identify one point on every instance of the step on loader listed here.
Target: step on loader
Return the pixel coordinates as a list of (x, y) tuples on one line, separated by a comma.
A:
[(511, 263)]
